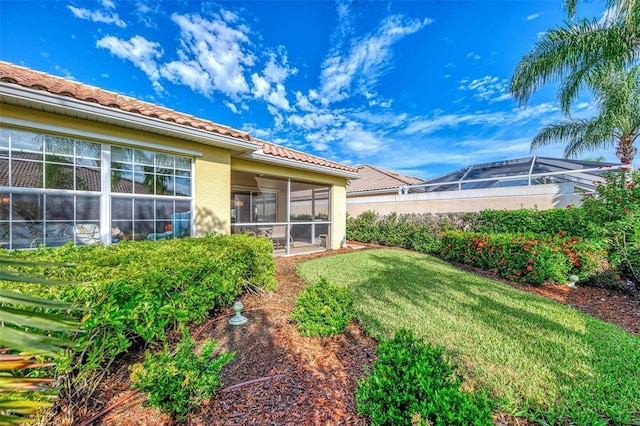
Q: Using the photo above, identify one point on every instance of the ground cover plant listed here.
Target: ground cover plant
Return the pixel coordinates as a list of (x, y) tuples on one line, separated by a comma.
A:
[(322, 309), (136, 292), (535, 357), (178, 381), (413, 383)]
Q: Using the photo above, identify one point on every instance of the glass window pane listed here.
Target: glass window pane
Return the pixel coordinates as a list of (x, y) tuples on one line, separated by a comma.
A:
[(121, 182), (183, 187), (58, 176), (26, 142), (5, 203), (57, 234), (88, 150), (88, 179), (27, 207), (58, 145), (125, 227), (183, 206), (143, 209), (27, 234), (183, 163), (4, 171), (165, 185), (121, 155), (164, 208), (59, 207), (164, 163), (143, 229), (5, 134), (144, 157), (87, 209), (145, 183), (26, 174), (121, 208)]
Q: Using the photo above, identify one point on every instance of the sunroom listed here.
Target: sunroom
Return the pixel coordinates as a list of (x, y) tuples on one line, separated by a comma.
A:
[(295, 215)]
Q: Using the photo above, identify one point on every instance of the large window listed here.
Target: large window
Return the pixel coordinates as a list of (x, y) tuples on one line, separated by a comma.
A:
[(52, 189)]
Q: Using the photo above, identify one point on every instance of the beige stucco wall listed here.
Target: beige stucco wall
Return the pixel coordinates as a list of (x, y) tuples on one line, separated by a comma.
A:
[(338, 191), (542, 197)]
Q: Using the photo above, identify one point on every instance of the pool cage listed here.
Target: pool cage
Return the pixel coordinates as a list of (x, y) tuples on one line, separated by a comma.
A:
[(584, 175)]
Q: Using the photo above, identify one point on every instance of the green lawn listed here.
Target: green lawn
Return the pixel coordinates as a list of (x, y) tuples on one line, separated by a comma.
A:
[(536, 357)]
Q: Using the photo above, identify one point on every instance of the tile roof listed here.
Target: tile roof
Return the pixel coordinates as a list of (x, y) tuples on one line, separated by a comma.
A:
[(378, 179), (14, 74)]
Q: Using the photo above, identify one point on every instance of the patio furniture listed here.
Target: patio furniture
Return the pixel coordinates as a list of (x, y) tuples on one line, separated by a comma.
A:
[(278, 236), (180, 223)]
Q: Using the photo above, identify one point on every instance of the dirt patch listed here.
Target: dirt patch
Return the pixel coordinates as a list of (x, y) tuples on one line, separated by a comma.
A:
[(308, 381)]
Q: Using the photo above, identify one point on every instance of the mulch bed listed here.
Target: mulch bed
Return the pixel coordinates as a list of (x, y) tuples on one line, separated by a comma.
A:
[(305, 381)]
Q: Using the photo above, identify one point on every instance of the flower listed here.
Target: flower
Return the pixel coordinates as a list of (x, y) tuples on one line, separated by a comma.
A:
[(561, 233), (530, 261), (529, 268)]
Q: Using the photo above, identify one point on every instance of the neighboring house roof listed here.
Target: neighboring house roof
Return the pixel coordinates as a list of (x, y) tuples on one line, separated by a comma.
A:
[(376, 179), (518, 172), (11, 74)]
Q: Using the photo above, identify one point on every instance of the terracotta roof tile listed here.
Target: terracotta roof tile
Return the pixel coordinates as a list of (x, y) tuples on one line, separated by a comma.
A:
[(292, 154), (26, 77), (14, 74), (378, 179)]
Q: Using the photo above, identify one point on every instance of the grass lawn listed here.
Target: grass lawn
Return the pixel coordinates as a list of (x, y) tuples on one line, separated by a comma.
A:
[(536, 357)]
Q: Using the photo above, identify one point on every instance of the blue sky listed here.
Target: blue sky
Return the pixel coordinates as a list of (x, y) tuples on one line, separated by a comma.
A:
[(418, 87)]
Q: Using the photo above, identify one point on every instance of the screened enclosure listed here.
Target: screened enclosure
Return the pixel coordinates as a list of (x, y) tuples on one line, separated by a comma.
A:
[(584, 175)]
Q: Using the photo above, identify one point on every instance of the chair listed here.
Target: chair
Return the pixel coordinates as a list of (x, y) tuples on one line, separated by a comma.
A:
[(278, 236), (180, 224)]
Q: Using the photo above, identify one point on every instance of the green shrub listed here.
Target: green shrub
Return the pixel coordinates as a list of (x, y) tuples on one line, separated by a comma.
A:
[(571, 221), (412, 382), (139, 290), (412, 231), (525, 258), (322, 309), (615, 214), (176, 384)]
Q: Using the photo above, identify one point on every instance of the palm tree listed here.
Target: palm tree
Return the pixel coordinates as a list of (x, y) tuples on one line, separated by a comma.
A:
[(20, 345), (595, 55), (617, 95)]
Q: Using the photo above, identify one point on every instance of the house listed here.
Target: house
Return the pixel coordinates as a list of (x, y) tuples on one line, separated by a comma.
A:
[(376, 189), (79, 163), (531, 182)]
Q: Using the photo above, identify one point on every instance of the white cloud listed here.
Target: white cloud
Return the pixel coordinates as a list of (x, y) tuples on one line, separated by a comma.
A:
[(104, 16), (488, 88), (474, 56), (425, 126), (232, 107), (269, 86), (366, 60), (532, 16), (141, 52), (213, 49)]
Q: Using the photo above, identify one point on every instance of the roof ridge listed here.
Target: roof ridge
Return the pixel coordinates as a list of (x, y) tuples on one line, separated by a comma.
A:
[(391, 173)]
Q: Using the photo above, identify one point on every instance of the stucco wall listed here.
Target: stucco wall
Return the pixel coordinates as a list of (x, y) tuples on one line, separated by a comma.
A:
[(542, 197)]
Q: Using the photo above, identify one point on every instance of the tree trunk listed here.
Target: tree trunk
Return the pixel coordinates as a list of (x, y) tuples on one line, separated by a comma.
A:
[(626, 151)]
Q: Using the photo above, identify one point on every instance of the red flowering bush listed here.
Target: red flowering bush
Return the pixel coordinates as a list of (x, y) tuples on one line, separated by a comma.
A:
[(523, 258)]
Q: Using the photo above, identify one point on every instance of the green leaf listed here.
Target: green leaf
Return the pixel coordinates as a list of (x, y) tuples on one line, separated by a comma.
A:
[(15, 298), (23, 318), (32, 343)]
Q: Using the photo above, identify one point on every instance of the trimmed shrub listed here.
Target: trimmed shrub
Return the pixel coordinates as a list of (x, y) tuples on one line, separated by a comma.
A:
[(525, 258), (412, 383), (322, 309), (138, 291), (412, 231), (571, 221), (176, 383)]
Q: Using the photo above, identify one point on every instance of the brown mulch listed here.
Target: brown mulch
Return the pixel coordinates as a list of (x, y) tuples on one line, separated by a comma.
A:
[(309, 381)]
